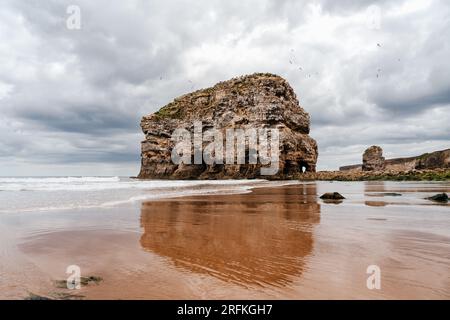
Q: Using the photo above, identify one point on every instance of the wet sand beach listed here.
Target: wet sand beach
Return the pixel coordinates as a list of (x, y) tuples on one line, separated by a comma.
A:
[(273, 242)]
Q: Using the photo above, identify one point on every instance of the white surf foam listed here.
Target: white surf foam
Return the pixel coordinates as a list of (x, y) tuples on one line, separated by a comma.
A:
[(63, 193), (101, 183)]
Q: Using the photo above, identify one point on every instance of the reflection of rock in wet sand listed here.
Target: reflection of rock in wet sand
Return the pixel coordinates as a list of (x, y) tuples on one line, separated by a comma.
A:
[(373, 189), (375, 203), (259, 238)]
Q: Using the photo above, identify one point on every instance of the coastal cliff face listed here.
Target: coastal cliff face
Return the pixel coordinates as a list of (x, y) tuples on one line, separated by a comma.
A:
[(433, 160), (248, 102), (373, 161)]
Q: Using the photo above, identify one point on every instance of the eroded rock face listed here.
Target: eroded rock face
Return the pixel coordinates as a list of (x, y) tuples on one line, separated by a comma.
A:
[(373, 159), (434, 160), (253, 101)]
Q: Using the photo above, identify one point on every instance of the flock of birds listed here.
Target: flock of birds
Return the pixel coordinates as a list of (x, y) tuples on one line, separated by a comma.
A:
[(292, 62), (292, 58)]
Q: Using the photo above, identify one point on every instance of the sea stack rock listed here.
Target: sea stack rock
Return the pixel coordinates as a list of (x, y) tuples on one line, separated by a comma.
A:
[(373, 159), (254, 101)]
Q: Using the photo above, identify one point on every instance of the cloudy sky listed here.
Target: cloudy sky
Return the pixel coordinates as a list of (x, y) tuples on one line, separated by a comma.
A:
[(368, 72)]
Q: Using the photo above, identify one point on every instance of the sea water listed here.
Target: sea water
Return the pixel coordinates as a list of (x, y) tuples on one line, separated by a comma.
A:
[(22, 194)]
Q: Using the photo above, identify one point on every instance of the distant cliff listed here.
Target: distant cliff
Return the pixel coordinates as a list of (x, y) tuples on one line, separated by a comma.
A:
[(433, 160), (259, 100)]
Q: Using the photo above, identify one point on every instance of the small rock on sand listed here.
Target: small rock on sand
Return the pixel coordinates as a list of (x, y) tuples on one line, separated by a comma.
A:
[(440, 197), (33, 296), (84, 281), (332, 196)]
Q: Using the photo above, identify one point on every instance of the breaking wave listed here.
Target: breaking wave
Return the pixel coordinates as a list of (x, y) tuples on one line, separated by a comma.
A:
[(25, 194)]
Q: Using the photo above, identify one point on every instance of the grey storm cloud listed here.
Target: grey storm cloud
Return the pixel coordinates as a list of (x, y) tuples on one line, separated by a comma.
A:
[(368, 72)]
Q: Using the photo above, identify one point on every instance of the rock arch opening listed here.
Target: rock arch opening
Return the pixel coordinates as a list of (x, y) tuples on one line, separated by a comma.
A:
[(304, 167)]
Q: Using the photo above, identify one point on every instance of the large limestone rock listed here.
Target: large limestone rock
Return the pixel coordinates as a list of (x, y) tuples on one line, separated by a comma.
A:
[(253, 101), (373, 159)]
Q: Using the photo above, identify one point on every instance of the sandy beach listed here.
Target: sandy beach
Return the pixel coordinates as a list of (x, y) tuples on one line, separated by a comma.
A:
[(270, 242)]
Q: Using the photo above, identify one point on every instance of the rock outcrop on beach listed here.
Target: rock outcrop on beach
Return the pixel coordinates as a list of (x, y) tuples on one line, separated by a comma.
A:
[(259, 100), (385, 175), (372, 159), (433, 160)]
